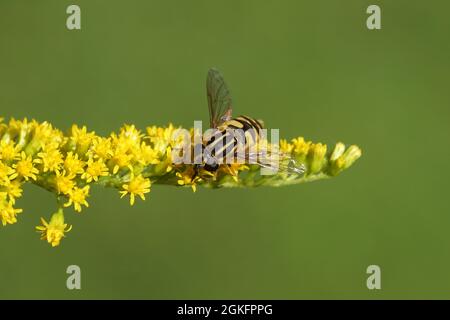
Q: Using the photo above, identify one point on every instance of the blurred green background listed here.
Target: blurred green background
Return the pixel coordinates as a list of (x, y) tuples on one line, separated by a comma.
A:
[(310, 68)]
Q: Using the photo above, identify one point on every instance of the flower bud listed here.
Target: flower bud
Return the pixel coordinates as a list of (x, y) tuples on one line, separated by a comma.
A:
[(316, 156), (338, 151)]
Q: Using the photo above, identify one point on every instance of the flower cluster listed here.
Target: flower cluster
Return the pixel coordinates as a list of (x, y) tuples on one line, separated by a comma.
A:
[(130, 161)]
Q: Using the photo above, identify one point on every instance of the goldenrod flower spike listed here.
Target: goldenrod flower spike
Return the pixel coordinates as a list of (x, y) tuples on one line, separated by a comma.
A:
[(131, 161)]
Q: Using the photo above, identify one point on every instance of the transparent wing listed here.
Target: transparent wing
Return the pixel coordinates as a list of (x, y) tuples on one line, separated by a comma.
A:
[(277, 161), (219, 98)]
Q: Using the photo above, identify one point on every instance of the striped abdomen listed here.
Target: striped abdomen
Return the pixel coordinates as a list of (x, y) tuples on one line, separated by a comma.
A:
[(231, 141)]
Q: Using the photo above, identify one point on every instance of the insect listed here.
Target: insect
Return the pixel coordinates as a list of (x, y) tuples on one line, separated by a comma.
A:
[(236, 138)]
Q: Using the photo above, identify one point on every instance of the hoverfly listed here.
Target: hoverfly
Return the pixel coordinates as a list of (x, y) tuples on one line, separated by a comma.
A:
[(226, 144)]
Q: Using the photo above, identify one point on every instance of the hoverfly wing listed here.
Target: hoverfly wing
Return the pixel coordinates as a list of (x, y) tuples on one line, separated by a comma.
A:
[(273, 160), (219, 98), (292, 167), (281, 162)]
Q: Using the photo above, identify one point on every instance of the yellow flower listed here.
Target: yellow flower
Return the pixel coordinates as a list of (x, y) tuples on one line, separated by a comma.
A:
[(45, 134), (13, 189), (8, 151), (81, 138), (125, 144), (43, 131), (165, 163), (136, 186), (7, 212), (94, 170), (152, 131), (188, 178), (51, 158), (161, 137), (159, 133), (131, 133), (236, 167), (72, 164), (301, 147), (77, 197), (15, 126), (55, 230), (25, 168), (64, 183), (120, 158), (231, 169), (147, 155), (101, 148), (5, 172), (168, 161), (286, 147)]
